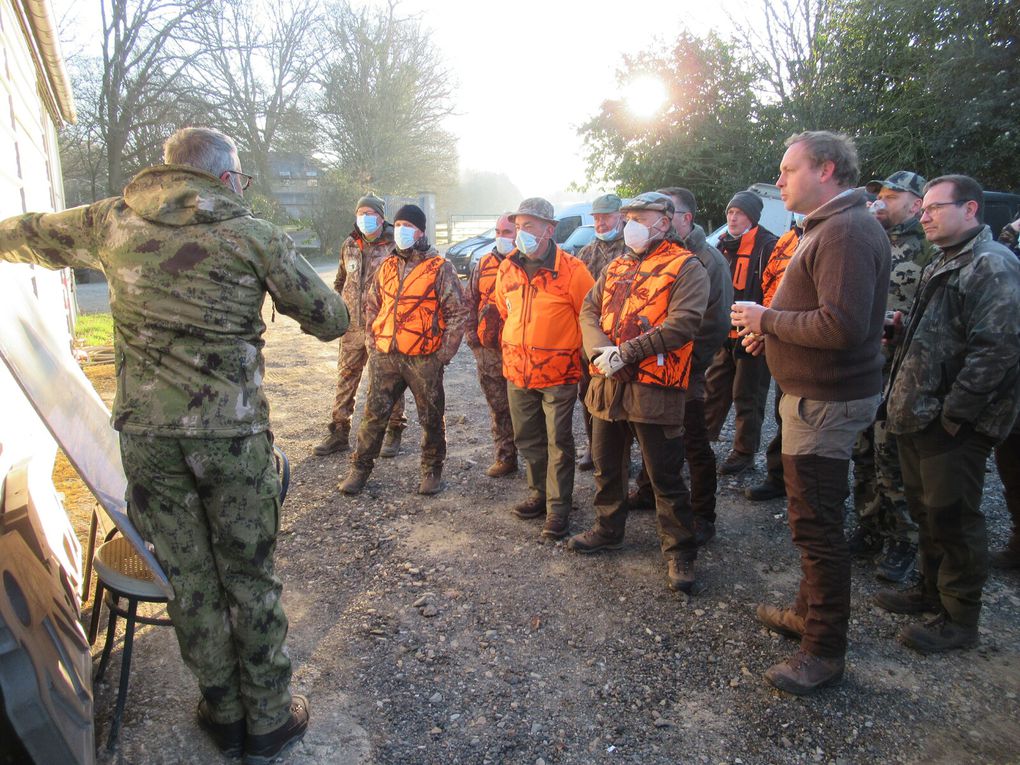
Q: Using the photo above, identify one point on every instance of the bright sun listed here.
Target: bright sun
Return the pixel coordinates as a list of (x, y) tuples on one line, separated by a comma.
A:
[(645, 95)]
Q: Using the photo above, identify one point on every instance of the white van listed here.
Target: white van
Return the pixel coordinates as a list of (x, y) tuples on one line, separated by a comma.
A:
[(774, 215)]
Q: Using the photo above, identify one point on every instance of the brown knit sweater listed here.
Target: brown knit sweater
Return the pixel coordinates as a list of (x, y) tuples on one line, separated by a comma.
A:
[(823, 332)]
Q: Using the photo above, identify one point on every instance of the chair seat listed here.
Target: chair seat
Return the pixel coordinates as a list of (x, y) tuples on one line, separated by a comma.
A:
[(121, 568)]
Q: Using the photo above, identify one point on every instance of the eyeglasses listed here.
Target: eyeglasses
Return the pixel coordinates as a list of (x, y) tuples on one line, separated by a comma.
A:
[(245, 178), (934, 207)]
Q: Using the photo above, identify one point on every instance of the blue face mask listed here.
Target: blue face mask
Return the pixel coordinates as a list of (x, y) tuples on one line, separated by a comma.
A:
[(367, 224), (526, 243), (610, 236), (404, 236), (798, 219)]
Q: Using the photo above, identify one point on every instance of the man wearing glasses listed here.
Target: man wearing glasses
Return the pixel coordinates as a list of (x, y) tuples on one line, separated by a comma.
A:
[(189, 268), (953, 394)]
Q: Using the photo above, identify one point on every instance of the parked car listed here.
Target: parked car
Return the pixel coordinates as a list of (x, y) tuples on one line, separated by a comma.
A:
[(774, 215), (466, 253), (581, 236), (569, 218), (1000, 208)]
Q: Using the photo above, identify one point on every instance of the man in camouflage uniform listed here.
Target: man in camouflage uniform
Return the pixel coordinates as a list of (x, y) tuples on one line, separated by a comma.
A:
[(953, 393), (189, 268), (606, 248), (414, 315), (368, 245), (883, 520), (482, 332)]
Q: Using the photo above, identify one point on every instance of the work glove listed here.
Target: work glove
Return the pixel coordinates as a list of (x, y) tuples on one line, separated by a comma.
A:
[(608, 360)]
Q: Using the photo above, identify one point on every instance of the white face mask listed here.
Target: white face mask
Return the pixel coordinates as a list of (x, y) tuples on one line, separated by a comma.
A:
[(637, 235), (527, 244), (504, 245)]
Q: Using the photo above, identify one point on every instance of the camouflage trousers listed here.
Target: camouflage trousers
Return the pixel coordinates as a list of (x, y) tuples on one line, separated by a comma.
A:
[(211, 509), (389, 375), (490, 378), (349, 366), (879, 500)]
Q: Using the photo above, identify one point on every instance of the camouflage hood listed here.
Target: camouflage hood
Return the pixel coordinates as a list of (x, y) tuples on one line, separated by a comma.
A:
[(175, 195)]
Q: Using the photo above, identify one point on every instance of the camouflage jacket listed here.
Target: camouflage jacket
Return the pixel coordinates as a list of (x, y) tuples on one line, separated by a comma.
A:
[(359, 260), (599, 254), (911, 252), (1009, 237), (960, 357), (188, 268), (452, 305)]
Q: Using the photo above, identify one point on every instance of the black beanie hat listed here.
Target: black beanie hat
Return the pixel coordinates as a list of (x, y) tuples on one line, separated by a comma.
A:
[(749, 203), (412, 214)]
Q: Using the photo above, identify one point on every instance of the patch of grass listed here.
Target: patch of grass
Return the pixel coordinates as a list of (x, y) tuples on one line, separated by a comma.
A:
[(94, 329)]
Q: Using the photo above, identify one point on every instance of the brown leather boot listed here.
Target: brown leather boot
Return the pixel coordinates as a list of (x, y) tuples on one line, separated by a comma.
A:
[(500, 468), (355, 481), (532, 507), (593, 540), (557, 526), (913, 600), (938, 634), (431, 481), (337, 441), (680, 574), (782, 620), (391, 444), (638, 499), (264, 748), (804, 673)]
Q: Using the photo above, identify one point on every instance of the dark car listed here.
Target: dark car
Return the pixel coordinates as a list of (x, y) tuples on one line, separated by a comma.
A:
[(1000, 208), (465, 253)]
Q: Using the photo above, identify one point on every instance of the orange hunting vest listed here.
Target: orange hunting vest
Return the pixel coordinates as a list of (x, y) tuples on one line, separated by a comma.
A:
[(781, 254), (635, 300), (490, 324), (742, 265), (409, 319)]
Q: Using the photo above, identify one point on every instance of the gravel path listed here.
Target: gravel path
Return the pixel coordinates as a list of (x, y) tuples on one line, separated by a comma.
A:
[(442, 630)]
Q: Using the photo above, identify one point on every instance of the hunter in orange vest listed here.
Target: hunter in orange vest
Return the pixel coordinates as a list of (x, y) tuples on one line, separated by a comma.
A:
[(539, 291), (736, 378), (639, 323), (415, 316), (484, 327)]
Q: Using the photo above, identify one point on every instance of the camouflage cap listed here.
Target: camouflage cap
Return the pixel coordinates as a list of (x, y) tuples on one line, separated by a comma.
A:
[(607, 203), (901, 180), (537, 208), (650, 200)]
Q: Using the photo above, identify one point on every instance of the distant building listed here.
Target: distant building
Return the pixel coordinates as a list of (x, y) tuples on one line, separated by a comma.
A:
[(294, 183)]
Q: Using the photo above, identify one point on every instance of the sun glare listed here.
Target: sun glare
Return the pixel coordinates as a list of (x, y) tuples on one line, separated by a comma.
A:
[(645, 95)]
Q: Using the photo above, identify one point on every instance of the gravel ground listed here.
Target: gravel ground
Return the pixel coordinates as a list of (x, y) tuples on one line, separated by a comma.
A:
[(442, 630)]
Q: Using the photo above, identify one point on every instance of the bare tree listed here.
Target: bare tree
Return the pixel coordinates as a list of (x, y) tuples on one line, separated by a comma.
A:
[(142, 66), (255, 63), (385, 96)]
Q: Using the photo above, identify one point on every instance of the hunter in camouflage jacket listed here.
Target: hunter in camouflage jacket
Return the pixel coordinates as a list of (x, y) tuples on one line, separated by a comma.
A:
[(188, 268), (960, 357)]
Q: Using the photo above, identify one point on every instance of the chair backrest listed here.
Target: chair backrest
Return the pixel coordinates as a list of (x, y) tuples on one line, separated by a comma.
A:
[(74, 414)]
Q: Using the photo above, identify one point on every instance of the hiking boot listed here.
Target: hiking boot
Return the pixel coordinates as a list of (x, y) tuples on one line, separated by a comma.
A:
[(704, 531), (765, 491), (736, 462), (264, 748), (532, 507), (804, 673), (355, 481), (557, 526), (336, 441), (680, 574), (593, 540), (938, 634), (913, 600), (431, 481), (639, 499), (1006, 560), (898, 561), (785, 621), (865, 543), (228, 737), (499, 468), (586, 462), (391, 444)]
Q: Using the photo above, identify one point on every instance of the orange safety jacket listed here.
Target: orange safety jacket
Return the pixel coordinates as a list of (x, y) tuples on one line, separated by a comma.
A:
[(742, 266), (784, 250), (541, 334), (635, 300), (490, 323), (409, 320)]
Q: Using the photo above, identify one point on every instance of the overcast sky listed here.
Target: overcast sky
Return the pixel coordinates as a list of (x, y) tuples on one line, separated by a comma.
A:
[(530, 72)]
